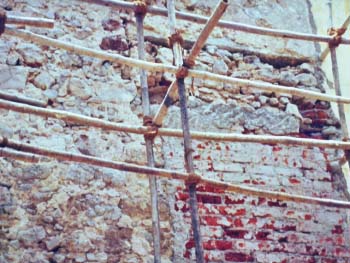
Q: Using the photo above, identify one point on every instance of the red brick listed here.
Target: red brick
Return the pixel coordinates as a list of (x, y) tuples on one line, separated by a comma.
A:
[(234, 233), (223, 244), (209, 189), (190, 244), (209, 199), (329, 260), (181, 196), (200, 146), (307, 217), (315, 114), (337, 230), (240, 212), (262, 235), (211, 220), (238, 223), (289, 228), (209, 245), (196, 157), (238, 257), (187, 254), (294, 180), (253, 220)]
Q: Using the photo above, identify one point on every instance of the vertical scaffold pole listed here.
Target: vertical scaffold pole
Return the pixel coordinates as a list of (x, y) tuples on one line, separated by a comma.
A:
[(335, 71), (149, 142), (178, 61)]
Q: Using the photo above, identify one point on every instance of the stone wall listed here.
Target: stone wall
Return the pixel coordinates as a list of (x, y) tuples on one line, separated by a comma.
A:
[(66, 212)]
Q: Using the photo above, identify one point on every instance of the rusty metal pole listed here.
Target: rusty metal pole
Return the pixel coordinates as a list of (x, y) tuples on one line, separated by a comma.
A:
[(338, 92), (178, 60), (149, 142), (190, 169)]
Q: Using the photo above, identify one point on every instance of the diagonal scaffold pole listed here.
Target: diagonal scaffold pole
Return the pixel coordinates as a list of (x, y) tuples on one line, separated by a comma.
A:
[(29, 153), (175, 40), (335, 70), (172, 93), (140, 12), (156, 67)]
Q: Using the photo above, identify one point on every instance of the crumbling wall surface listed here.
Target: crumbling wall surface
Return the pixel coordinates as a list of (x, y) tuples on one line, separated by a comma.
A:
[(64, 212)]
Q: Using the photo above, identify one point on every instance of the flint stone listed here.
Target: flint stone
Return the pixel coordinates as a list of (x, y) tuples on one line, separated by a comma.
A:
[(220, 67), (116, 42), (307, 68), (306, 79), (287, 78), (111, 24)]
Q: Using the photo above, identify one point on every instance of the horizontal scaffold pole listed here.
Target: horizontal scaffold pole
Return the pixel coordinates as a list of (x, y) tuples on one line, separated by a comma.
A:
[(20, 156), (112, 126), (21, 99), (30, 21), (91, 160), (224, 24), (156, 67), (66, 156)]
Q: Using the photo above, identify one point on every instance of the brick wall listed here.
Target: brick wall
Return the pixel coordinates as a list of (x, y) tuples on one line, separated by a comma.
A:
[(240, 228)]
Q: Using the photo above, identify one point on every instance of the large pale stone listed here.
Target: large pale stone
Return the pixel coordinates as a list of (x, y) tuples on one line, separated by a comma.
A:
[(140, 245), (53, 242), (80, 88), (79, 241), (306, 79), (32, 236), (44, 80), (12, 77), (220, 67)]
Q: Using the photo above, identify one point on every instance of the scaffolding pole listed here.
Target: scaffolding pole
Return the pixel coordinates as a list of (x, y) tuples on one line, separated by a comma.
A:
[(79, 119), (19, 156), (178, 60), (338, 91), (30, 21), (156, 67), (149, 142), (223, 24), (28, 152), (24, 100)]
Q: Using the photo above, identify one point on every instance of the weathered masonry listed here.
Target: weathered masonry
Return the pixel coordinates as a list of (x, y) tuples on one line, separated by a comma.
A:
[(131, 132)]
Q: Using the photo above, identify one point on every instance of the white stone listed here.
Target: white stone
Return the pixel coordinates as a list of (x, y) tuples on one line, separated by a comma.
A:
[(140, 245), (13, 77), (44, 80)]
